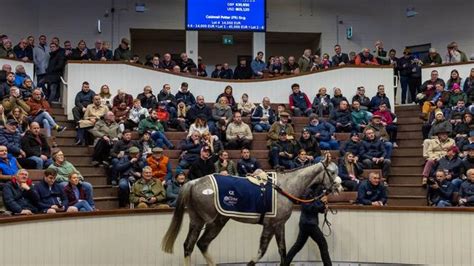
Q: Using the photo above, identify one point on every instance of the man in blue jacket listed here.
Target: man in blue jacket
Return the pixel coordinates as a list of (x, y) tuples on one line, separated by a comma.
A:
[(373, 153), (324, 132), (466, 193), (440, 191), (263, 116), (258, 65), (19, 196), (185, 95), (341, 118), (51, 195), (372, 191), (379, 98), (247, 165), (83, 99)]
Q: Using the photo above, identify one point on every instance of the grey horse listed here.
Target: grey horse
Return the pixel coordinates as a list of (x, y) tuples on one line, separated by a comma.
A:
[(202, 211)]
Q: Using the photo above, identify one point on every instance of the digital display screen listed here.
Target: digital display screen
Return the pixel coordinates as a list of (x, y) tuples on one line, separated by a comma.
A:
[(226, 15)]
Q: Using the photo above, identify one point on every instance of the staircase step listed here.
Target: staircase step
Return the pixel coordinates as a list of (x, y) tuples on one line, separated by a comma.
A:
[(407, 161), (406, 200), (406, 189), (405, 179), (79, 159), (106, 203), (90, 170), (413, 170), (402, 152), (410, 136), (96, 179), (410, 128), (402, 108), (410, 143), (412, 120), (76, 150), (105, 191)]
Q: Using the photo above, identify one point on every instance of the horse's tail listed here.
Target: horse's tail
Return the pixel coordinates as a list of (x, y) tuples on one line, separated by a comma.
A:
[(170, 237)]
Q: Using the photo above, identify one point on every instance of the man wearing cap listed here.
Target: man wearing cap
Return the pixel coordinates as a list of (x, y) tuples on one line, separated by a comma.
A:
[(107, 132), (128, 169), (282, 125), (373, 153), (238, 134), (439, 124), (380, 132), (434, 150), (11, 138), (123, 53), (185, 95), (433, 58), (282, 153), (147, 192), (36, 147), (452, 165), (160, 165), (202, 166)]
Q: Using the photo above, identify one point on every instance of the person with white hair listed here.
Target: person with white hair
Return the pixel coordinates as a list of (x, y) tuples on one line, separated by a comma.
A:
[(6, 50), (433, 58)]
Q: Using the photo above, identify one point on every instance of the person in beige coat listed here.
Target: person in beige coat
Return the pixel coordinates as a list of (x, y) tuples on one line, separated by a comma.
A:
[(435, 150), (238, 134), (94, 112)]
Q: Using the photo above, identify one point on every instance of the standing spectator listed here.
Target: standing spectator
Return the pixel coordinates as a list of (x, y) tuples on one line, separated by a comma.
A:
[(81, 52), (19, 196), (337, 98), (350, 171), (52, 198), (153, 125), (258, 65), (263, 116), (147, 192), (76, 195), (291, 67), (243, 71), (245, 106), (107, 132), (373, 153), (324, 133), (55, 70), (360, 118), (174, 187), (379, 98), (322, 102), (122, 96), (305, 61), (340, 58), (160, 165), (201, 68), (36, 147), (41, 59), (365, 58), (68, 50), (247, 165), (299, 102), (433, 58), (309, 144), (238, 134), (282, 153), (123, 53), (185, 95), (129, 169), (148, 99), (22, 51), (186, 64), (96, 49), (466, 193), (372, 192), (202, 166), (83, 99), (440, 190), (341, 118), (225, 164), (94, 112), (380, 54), (273, 134), (218, 72)]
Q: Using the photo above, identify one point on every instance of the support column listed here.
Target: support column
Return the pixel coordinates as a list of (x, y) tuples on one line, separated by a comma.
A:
[(192, 45), (258, 44)]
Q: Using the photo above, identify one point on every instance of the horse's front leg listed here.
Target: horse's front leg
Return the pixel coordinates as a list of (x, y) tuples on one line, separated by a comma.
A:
[(267, 234), (280, 238)]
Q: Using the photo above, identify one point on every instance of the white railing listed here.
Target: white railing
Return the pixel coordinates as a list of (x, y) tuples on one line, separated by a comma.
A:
[(134, 78), (29, 67), (445, 70)]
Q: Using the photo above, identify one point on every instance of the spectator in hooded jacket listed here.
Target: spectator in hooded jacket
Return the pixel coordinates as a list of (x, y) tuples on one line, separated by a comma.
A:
[(373, 153), (299, 102), (174, 187), (83, 99), (19, 195), (341, 118), (324, 133), (322, 102), (185, 95), (379, 98), (203, 165), (466, 193), (371, 192), (263, 116)]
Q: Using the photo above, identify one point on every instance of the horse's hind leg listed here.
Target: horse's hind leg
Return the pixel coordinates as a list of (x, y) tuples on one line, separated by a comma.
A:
[(212, 230), (265, 238), (195, 226), (280, 238)]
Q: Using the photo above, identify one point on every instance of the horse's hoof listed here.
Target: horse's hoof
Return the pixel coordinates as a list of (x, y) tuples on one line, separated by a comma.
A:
[(251, 263)]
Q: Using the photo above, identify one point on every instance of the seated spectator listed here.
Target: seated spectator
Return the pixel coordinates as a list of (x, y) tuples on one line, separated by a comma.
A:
[(11, 138), (465, 143), (83, 99), (373, 153), (454, 78), (263, 116), (305, 61), (105, 96), (20, 75), (40, 112), (147, 192), (145, 144), (76, 195), (387, 122), (324, 133), (104, 54), (120, 148), (247, 165), (185, 95), (121, 113), (427, 125), (224, 163), (282, 125), (201, 108), (428, 87), (94, 112), (227, 72), (457, 95), (5, 86), (468, 87), (137, 113), (200, 125), (365, 58), (322, 102), (228, 95), (440, 190), (339, 58), (186, 64), (122, 96), (8, 165), (221, 114), (180, 120), (429, 103), (174, 187), (148, 99), (81, 52), (360, 118), (166, 96), (439, 123), (6, 50), (299, 102), (452, 166), (52, 198), (457, 112), (22, 51), (163, 115), (291, 67), (353, 145), (466, 193), (214, 144), (380, 132), (309, 144), (243, 71), (36, 147), (379, 98), (362, 99), (258, 65), (153, 125), (168, 64), (282, 153), (350, 171), (372, 192), (107, 132), (341, 118), (15, 100), (302, 159), (325, 62), (202, 166), (160, 165), (123, 53), (128, 170), (337, 98), (245, 107), (238, 134), (190, 148), (434, 150), (26, 89), (19, 195), (218, 72), (433, 58)]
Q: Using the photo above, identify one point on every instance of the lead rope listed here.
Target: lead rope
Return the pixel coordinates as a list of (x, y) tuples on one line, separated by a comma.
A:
[(327, 222)]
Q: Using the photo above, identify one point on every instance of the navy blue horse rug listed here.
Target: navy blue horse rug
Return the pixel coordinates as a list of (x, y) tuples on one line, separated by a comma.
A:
[(237, 197)]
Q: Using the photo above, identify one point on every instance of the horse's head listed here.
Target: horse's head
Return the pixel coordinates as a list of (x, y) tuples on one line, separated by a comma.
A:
[(331, 181)]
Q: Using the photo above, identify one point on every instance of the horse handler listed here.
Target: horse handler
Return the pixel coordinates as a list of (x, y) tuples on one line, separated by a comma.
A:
[(309, 227)]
